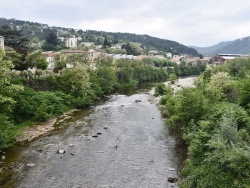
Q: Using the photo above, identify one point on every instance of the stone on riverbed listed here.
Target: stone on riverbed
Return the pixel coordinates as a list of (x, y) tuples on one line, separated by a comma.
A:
[(172, 179), (61, 151), (31, 165)]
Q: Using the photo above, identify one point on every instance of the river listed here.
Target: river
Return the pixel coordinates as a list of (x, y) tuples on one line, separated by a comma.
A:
[(121, 142)]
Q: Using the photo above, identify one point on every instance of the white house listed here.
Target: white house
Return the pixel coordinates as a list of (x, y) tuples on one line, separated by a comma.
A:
[(50, 58), (2, 42), (71, 42), (169, 55), (87, 44)]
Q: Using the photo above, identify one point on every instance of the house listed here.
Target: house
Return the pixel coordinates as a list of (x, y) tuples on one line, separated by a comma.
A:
[(223, 58), (87, 44), (117, 46), (153, 52), (2, 42), (121, 56), (92, 54), (50, 58), (71, 42), (176, 59), (160, 56), (169, 55), (67, 52)]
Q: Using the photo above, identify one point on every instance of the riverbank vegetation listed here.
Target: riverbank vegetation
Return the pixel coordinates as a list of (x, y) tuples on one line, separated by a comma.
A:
[(26, 97), (213, 119)]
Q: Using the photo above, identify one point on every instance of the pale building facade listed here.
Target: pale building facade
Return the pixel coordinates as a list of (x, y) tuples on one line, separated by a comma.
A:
[(1, 42), (71, 42)]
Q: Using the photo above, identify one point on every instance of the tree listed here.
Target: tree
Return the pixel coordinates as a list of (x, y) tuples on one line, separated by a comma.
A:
[(220, 86), (51, 43), (107, 78), (75, 59), (105, 44), (16, 59), (60, 63), (36, 59), (244, 92), (172, 78), (75, 81), (133, 48), (7, 89), (14, 38)]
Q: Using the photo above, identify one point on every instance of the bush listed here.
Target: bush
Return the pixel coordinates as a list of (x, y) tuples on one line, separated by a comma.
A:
[(6, 129)]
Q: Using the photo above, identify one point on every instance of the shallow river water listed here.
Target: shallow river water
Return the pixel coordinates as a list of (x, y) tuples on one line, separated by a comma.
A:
[(133, 149)]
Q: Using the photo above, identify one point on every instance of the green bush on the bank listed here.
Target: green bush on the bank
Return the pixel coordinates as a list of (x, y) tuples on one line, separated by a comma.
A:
[(213, 120), (6, 132)]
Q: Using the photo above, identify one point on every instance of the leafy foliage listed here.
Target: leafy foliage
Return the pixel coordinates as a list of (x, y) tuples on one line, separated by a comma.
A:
[(213, 120)]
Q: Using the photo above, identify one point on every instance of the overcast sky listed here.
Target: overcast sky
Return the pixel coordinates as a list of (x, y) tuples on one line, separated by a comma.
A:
[(189, 22)]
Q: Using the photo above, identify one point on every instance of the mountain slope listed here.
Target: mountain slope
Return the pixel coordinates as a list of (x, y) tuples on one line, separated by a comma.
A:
[(239, 46), (33, 29), (159, 44)]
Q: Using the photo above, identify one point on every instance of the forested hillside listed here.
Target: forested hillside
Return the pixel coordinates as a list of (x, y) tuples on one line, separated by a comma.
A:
[(149, 41), (38, 31), (239, 46)]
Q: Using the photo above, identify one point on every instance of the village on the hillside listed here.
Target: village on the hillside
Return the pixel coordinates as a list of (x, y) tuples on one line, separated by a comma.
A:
[(95, 51)]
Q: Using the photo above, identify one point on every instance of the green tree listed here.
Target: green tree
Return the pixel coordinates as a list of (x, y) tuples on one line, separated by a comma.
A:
[(79, 58), (14, 38), (36, 59), (75, 81), (172, 78), (107, 78), (16, 59), (7, 89), (133, 48), (51, 42), (60, 63)]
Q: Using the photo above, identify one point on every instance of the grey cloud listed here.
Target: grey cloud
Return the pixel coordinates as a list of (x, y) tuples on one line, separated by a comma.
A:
[(189, 22)]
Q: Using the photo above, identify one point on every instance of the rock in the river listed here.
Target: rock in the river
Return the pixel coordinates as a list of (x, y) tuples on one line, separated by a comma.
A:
[(39, 150), (95, 136), (105, 127), (31, 165), (3, 157), (98, 133), (137, 100), (61, 151), (171, 169), (71, 145), (172, 179), (1, 164)]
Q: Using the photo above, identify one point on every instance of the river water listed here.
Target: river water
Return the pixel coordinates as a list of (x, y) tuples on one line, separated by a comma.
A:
[(133, 149)]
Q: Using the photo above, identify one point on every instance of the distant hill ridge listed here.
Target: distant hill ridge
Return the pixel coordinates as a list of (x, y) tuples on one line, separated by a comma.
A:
[(41, 31), (238, 46)]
